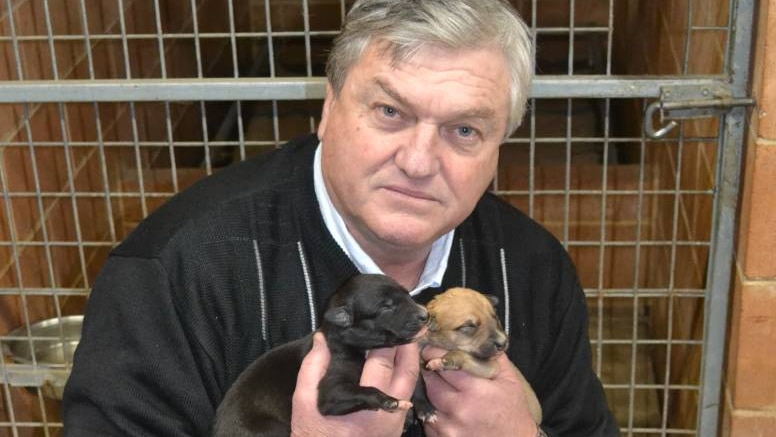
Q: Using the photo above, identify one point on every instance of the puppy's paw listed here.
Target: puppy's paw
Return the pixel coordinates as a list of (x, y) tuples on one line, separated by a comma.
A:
[(396, 405), (404, 405), (427, 416), (451, 364), (435, 364), (444, 363)]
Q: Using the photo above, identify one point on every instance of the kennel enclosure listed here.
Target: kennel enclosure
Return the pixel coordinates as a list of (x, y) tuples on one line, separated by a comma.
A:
[(110, 107)]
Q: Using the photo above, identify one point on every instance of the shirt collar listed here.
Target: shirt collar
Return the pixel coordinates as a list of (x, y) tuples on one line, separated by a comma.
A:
[(436, 263)]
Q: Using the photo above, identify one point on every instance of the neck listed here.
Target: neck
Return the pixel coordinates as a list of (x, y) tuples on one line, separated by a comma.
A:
[(406, 272), (403, 263)]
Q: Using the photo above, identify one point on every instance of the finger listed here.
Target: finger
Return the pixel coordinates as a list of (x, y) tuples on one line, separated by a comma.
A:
[(462, 381), (444, 397), (313, 366), (378, 368), (508, 370), (407, 369), (459, 380), (430, 352)]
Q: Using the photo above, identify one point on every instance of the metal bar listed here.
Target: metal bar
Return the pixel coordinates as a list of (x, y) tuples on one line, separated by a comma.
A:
[(558, 192), (206, 143), (13, 230), (132, 111), (541, 140), (98, 127), (593, 293), (688, 37), (309, 88), (636, 291), (724, 222), (49, 291), (569, 122), (187, 35), (167, 113), (672, 279), (236, 74), (603, 222), (320, 92)]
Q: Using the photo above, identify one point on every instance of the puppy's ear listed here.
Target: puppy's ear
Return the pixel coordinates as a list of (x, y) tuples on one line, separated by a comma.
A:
[(339, 316), (493, 300)]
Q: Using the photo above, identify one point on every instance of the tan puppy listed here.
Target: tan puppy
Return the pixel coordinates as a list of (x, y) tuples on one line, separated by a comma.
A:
[(464, 322)]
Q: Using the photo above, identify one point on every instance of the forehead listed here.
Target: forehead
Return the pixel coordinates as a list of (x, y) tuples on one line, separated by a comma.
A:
[(471, 81), (461, 305)]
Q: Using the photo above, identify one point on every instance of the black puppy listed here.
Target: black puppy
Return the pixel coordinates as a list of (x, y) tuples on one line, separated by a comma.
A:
[(367, 312)]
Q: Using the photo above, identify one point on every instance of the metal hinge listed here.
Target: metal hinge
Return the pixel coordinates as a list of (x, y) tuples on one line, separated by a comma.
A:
[(682, 102)]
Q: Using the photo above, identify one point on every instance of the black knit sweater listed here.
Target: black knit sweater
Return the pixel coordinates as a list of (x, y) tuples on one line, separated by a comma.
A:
[(242, 261)]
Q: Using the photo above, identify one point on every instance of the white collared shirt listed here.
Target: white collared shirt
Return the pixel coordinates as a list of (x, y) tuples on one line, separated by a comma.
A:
[(436, 263)]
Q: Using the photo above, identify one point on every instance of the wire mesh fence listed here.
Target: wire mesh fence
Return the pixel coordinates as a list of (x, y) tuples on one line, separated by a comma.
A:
[(110, 107)]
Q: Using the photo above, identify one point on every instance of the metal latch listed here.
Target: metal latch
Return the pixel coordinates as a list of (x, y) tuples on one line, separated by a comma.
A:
[(682, 102)]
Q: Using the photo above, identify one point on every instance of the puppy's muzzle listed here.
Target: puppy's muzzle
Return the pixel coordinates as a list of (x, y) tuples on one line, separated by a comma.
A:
[(495, 345), (422, 314), (421, 321)]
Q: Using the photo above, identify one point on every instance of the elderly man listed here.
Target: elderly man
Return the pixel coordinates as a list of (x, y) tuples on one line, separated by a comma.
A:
[(421, 94)]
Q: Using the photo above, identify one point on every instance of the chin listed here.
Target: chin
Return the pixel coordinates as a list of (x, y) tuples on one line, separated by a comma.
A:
[(408, 236)]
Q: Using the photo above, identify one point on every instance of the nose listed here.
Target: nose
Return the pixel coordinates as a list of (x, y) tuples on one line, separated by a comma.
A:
[(423, 314), (417, 157), (500, 343)]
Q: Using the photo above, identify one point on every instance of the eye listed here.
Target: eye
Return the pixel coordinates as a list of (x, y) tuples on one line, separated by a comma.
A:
[(468, 328), (386, 306), (389, 111), (464, 136), (464, 131)]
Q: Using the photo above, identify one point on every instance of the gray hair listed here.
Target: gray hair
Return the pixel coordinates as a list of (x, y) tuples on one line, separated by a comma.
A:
[(409, 25)]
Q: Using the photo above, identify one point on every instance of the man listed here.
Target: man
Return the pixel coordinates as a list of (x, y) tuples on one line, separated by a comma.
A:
[(421, 93)]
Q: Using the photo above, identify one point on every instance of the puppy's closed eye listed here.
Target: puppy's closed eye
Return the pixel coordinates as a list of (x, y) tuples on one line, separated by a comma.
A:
[(387, 305), (469, 327)]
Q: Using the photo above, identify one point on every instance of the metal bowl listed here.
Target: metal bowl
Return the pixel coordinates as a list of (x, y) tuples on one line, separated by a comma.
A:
[(50, 345), (48, 342)]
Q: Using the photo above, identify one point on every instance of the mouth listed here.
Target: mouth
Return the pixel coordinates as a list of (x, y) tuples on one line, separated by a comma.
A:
[(410, 193), (412, 333), (420, 333), (487, 355)]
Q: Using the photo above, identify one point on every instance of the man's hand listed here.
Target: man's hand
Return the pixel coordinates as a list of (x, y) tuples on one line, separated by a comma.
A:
[(467, 405), (392, 370)]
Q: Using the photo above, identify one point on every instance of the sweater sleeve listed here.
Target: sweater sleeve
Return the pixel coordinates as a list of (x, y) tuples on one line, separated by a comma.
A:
[(135, 373), (571, 394)]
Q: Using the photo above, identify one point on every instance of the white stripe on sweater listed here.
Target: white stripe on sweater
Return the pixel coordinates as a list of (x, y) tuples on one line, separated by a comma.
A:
[(262, 291), (463, 262), (308, 286), (506, 289)]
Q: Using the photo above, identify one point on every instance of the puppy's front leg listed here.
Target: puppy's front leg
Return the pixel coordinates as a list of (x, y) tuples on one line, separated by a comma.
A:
[(336, 400), (459, 360)]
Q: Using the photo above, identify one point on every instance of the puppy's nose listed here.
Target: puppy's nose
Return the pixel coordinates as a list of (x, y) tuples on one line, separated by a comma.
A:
[(423, 315), (500, 344)]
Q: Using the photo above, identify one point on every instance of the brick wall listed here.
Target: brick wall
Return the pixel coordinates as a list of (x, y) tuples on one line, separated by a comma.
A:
[(750, 382)]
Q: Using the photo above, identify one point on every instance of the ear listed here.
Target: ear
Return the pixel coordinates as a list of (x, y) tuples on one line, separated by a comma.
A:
[(328, 102), (493, 300), (338, 316)]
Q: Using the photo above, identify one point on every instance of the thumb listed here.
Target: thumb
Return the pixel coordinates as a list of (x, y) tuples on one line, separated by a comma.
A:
[(405, 378), (314, 364)]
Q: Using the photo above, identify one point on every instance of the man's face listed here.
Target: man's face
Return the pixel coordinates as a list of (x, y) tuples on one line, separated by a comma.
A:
[(409, 148)]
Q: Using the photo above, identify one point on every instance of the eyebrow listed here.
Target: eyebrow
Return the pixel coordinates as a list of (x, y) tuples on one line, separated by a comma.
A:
[(485, 114), (392, 93)]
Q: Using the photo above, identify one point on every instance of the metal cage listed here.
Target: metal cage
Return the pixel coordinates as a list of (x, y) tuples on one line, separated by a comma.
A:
[(630, 155)]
